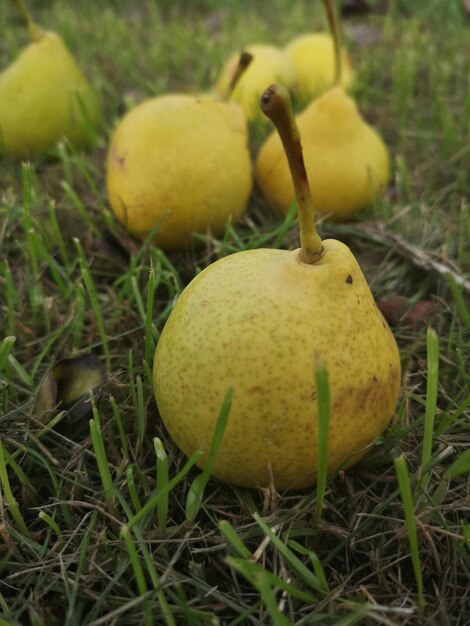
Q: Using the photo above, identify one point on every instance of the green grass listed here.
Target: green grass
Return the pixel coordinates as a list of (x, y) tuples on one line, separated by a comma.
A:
[(115, 526)]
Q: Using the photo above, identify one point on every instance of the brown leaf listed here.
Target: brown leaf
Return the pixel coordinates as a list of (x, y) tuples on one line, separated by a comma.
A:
[(399, 310), (356, 7)]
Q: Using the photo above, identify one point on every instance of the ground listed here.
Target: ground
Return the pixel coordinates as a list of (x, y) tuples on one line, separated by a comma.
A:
[(86, 537)]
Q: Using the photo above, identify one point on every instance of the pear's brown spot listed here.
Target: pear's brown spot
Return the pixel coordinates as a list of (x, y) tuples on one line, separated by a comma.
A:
[(119, 159), (349, 279)]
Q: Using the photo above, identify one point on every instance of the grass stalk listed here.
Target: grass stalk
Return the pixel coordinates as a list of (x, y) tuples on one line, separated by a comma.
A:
[(408, 508), (196, 490), (101, 458), (93, 295), (9, 497), (432, 383), (162, 481)]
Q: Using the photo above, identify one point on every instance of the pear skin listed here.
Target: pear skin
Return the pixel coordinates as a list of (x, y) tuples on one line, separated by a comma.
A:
[(313, 58), (179, 164), (255, 321), (269, 64), (258, 322), (44, 98), (346, 160)]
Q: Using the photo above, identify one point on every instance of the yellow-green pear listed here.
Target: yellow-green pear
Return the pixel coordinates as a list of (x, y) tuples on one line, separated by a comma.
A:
[(269, 64), (346, 160), (177, 165), (44, 97), (256, 322), (313, 58)]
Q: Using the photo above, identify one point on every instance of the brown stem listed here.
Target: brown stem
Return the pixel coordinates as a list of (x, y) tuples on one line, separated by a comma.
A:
[(275, 103), (336, 34), (243, 62), (35, 32)]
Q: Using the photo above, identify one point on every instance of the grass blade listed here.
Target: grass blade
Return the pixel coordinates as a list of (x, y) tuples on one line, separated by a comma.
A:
[(196, 490), (408, 508), (300, 569), (101, 458), (154, 500), (9, 497), (228, 531), (162, 481), (431, 401)]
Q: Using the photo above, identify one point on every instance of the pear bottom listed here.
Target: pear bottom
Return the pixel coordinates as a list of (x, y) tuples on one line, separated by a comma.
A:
[(256, 321)]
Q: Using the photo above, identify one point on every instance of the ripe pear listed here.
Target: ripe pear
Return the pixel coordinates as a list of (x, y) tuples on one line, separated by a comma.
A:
[(179, 164), (346, 159), (313, 58), (269, 64), (256, 321), (44, 97)]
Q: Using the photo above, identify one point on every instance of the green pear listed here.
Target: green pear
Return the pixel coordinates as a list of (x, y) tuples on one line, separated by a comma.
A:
[(44, 97), (256, 321), (178, 165), (346, 159)]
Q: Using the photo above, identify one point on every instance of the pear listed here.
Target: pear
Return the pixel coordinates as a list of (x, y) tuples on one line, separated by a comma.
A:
[(44, 97), (313, 58), (269, 64), (256, 321), (179, 164), (346, 159)]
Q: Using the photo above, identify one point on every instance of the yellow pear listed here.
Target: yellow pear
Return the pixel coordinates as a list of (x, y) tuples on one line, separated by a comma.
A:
[(269, 64), (44, 98), (313, 58), (256, 321), (346, 159), (179, 164)]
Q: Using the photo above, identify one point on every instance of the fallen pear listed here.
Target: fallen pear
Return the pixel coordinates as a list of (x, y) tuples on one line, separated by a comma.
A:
[(44, 97), (269, 64), (346, 159), (313, 58), (179, 164), (256, 321)]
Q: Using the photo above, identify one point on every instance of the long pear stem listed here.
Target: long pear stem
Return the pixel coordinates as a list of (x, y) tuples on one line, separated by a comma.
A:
[(275, 103), (336, 34), (35, 32), (243, 62)]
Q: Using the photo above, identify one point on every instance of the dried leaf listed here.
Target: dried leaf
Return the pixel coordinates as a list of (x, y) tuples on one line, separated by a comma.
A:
[(355, 7), (399, 310)]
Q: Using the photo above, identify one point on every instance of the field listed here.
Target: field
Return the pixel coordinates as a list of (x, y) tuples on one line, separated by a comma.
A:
[(96, 524)]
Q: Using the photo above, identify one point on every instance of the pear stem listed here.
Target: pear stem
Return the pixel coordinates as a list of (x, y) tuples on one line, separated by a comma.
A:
[(275, 104), (35, 32), (336, 34), (243, 62)]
